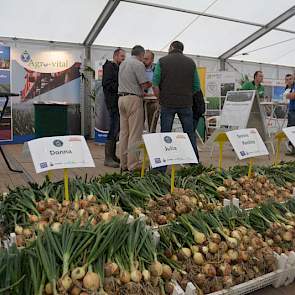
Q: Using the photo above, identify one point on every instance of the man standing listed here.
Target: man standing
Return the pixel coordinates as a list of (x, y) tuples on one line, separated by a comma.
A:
[(151, 101), (175, 81), (255, 84), (290, 95), (132, 82), (110, 89)]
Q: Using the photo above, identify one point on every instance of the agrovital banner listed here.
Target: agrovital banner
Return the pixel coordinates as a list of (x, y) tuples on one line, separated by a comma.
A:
[(40, 74)]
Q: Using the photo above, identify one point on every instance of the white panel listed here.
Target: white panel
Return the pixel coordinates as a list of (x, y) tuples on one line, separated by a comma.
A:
[(56, 20), (155, 28), (266, 50), (135, 24), (250, 10), (289, 24)]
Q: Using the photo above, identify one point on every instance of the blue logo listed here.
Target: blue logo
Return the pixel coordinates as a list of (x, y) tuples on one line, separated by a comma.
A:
[(25, 56), (243, 153), (58, 143), (157, 160), (43, 165), (167, 139)]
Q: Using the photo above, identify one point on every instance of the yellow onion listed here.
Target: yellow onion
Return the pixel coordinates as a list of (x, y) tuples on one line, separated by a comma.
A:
[(186, 252), (75, 290), (234, 255), (195, 249), (136, 276), (78, 273), (27, 233), (174, 258), (209, 270), (56, 227), (18, 229), (205, 249), (48, 288), (236, 234), (213, 247), (167, 272), (66, 282), (156, 269), (198, 258), (125, 277), (287, 236), (91, 281), (199, 237), (146, 275)]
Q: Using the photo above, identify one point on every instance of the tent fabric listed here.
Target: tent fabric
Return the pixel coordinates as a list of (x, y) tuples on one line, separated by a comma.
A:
[(155, 28)]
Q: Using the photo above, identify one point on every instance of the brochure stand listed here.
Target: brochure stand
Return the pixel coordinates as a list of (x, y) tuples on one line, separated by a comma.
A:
[(6, 95)]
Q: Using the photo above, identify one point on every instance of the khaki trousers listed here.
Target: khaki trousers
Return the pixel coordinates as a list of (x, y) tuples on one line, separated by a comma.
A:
[(131, 129)]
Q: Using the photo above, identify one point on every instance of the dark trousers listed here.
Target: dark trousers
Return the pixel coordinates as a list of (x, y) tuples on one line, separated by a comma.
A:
[(113, 134), (185, 116), (291, 121)]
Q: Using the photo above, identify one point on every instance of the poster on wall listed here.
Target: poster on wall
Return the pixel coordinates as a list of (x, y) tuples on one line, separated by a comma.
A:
[(40, 74), (6, 133)]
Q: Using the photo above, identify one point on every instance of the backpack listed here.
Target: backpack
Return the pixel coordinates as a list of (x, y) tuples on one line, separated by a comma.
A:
[(199, 107)]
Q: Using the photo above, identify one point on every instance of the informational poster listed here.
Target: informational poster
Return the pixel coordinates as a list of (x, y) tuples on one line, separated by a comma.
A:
[(218, 83), (237, 108), (247, 143), (51, 153), (290, 133), (169, 148), (43, 74), (6, 132)]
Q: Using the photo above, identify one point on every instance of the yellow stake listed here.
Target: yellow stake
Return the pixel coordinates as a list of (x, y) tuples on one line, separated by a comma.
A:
[(66, 183), (278, 152), (172, 178), (49, 175), (144, 161), (250, 167), (221, 143)]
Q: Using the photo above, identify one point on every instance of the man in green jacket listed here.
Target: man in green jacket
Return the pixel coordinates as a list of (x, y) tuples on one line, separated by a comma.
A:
[(255, 84)]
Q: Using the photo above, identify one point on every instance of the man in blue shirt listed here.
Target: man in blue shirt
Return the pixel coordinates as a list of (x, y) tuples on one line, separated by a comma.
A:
[(290, 95)]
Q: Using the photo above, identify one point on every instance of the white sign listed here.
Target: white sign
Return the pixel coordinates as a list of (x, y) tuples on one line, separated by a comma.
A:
[(247, 143), (290, 133), (169, 148), (43, 60), (237, 108), (51, 153)]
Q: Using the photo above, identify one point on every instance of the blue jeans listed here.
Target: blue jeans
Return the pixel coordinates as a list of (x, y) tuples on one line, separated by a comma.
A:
[(114, 125), (185, 116)]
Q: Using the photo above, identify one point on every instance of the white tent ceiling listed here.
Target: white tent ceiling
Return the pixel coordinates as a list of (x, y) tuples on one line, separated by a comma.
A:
[(225, 24)]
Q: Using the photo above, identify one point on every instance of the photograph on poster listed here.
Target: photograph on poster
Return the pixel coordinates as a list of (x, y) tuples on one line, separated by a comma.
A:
[(4, 81), (4, 57), (6, 122)]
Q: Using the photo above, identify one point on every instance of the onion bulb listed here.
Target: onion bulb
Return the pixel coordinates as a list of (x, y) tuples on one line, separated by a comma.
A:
[(91, 281), (136, 276), (18, 229), (287, 236), (234, 255), (225, 269), (198, 258), (169, 288), (167, 272), (146, 275), (56, 227), (195, 249), (125, 277), (199, 237), (200, 279), (78, 273), (205, 249), (174, 258), (221, 190), (232, 242), (75, 290), (186, 252), (215, 238), (236, 234), (66, 282), (48, 288), (156, 269), (27, 233), (213, 247), (209, 270)]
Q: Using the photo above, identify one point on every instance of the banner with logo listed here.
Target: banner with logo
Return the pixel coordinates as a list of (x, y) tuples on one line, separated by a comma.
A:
[(42, 74), (52, 153), (6, 133), (169, 148)]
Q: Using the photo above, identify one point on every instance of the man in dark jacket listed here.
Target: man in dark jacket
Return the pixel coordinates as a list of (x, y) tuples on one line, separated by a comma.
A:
[(110, 89), (175, 81)]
